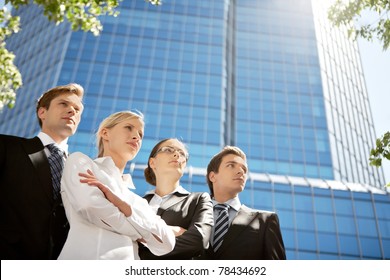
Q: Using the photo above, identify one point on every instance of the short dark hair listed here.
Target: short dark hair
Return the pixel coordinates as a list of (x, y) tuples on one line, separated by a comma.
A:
[(216, 161), (46, 98)]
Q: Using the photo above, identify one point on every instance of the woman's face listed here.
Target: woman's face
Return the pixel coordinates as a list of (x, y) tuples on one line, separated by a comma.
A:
[(124, 140), (171, 158)]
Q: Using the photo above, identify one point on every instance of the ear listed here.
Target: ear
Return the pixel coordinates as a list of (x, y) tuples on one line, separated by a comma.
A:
[(42, 113), (104, 133), (152, 163), (212, 176)]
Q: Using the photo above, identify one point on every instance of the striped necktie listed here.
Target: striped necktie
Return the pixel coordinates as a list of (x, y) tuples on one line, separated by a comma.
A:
[(56, 161), (221, 225)]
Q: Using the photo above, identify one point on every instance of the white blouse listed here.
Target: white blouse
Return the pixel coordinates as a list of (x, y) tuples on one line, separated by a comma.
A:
[(98, 230)]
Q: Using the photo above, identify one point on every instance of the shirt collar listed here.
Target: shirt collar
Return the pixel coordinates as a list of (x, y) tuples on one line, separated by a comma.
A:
[(179, 189), (108, 162), (46, 140), (233, 203)]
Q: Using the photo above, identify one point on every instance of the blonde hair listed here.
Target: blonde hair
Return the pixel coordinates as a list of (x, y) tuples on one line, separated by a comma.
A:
[(112, 121)]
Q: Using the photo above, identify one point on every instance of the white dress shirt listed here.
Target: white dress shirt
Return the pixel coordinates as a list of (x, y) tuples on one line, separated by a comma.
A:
[(98, 230), (46, 140), (157, 200)]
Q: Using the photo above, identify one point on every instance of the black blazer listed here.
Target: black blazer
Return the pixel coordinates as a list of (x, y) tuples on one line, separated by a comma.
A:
[(193, 212), (253, 235), (33, 225)]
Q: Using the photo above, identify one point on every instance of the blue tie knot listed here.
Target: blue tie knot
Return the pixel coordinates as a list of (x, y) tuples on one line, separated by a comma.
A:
[(221, 207), (54, 149)]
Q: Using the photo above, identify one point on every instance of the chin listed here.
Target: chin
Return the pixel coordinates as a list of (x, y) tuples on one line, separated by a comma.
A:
[(132, 155), (71, 130)]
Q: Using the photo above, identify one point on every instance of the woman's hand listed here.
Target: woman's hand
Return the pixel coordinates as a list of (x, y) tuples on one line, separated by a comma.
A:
[(90, 179)]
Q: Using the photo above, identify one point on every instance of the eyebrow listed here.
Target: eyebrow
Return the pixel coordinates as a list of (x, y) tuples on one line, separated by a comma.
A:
[(140, 131), (79, 106), (177, 148), (236, 162)]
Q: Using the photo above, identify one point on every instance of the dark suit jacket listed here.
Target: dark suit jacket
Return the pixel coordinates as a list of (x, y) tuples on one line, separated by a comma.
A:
[(193, 212), (33, 225), (253, 235)]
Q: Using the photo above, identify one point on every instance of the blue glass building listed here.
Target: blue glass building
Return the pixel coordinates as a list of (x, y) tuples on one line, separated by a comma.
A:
[(272, 77)]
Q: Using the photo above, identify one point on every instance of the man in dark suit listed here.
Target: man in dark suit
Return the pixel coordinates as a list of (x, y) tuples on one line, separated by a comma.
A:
[(244, 233), (32, 217)]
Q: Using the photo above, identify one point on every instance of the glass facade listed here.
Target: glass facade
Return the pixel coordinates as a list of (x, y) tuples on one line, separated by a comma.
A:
[(279, 99), (262, 75), (350, 128)]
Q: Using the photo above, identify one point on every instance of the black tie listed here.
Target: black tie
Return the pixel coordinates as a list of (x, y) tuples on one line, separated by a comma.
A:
[(56, 161), (221, 225)]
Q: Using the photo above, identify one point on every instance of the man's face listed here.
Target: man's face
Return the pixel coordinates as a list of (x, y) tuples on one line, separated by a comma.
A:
[(63, 116), (231, 176)]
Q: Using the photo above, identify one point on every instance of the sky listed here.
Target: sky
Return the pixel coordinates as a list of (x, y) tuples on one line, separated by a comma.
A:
[(376, 65), (376, 69)]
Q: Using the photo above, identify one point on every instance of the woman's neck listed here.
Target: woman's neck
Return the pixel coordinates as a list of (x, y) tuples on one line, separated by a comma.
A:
[(166, 185), (119, 161)]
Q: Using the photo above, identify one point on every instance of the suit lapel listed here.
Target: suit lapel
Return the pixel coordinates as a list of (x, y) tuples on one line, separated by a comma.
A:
[(35, 150), (243, 218), (174, 199)]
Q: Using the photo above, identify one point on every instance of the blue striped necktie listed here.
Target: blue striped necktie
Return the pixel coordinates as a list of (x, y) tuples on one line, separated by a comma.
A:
[(221, 225), (56, 161)]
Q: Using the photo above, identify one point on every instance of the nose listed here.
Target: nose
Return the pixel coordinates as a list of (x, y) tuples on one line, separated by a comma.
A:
[(72, 110), (136, 136)]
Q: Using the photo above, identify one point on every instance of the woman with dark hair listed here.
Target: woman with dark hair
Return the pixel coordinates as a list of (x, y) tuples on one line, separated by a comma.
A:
[(189, 214)]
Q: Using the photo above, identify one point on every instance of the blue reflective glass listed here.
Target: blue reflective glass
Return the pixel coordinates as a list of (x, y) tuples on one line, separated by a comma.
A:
[(283, 201), (322, 204), (264, 199), (343, 206), (304, 221), (325, 223), (348, 245), (289, 239), (346, 225), (303, 202), (383, 210), (367, 227), (327, 243), (370, 247), (386, 248), (384, 228), (286, 218), (364, 208), (306, 241)]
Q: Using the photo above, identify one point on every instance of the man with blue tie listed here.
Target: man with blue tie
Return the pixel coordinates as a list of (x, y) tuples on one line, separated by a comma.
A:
[(239, 232), (32, 217)]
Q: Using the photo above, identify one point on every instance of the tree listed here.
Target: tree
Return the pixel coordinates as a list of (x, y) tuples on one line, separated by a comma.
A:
[(348, 13), (81, 14), (381, 151)]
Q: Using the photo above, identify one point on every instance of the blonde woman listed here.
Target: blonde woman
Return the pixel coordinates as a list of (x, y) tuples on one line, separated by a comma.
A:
[(106, 218)]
